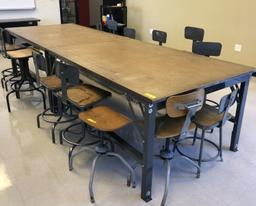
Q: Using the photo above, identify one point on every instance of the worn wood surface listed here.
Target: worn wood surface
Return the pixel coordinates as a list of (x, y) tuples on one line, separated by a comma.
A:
[(148, 70)]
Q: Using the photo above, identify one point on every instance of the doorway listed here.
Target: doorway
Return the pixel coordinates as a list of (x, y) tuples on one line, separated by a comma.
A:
[(75, 11)]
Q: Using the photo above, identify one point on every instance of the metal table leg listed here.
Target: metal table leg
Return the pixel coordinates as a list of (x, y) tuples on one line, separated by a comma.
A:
[(239, 115), (148, 145)]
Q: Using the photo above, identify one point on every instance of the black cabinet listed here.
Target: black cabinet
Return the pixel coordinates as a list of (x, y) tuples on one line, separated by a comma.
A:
[(5, 23), (113, 2), (118, 13)]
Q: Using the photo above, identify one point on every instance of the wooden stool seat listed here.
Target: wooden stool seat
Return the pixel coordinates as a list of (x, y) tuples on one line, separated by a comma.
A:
[(104, 119), (85, 95), (167, 127), (20, 54), (12, 47), (51, 82), (208, 117)]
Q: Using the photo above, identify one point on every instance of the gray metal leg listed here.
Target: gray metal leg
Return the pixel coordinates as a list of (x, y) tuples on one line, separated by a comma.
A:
[(70, 158), (190, 161), (132, 172), (201, 149), (167, 180), (239, 115), (195, 135), (53, 128), (148, 145), (92, 177), (220, 143), (38, 120)]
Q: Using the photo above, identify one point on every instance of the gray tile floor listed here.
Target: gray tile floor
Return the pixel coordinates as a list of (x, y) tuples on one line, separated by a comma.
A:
[(33, 171)]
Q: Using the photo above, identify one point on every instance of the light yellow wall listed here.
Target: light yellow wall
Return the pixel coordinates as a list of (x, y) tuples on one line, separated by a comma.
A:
[(227, 21)]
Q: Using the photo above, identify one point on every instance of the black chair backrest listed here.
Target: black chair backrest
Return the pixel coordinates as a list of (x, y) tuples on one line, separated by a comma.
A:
[(129, 32), (40, 64), (112, 26), (226, 102), (69, 76), (185, 105), (5, 38), (159, 36), (207, 48), (194, 33)]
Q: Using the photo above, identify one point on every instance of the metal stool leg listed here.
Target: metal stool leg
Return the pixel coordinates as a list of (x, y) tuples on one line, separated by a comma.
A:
[(38, 120), (195, 135), (132, 172), (8, 101), (16, 91), (70, 159), (53, 129), (201, 148), (2, 82), (220, 130), (92, 177), (191, 162), (43, 95), (167, 180)]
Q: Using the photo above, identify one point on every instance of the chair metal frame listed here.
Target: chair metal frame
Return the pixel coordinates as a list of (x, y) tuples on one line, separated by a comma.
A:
[(182, 105), (9, 74), (223, 108)]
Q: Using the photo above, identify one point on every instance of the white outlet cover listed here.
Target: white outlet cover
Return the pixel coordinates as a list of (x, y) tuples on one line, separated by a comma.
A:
[(238, 47), (151, 31)]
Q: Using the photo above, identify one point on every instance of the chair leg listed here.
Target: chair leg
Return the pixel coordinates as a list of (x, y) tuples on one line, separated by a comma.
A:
[(201, 148), (53, 129), (190, 161), (70, 159), (42, 93), (8, 101), (16, 91), (92, 177), (167, 180), (132, 172), (2, 82), (195, 135), (220, 130), (38, 120), (5, 85), (60, 137)]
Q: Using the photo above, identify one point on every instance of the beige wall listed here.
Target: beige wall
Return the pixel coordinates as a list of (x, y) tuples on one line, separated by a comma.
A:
[(227, 21), (46, 10)]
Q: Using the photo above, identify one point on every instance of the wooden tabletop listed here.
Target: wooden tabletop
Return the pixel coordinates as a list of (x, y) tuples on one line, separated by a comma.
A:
[(69, 35), (148, 70)]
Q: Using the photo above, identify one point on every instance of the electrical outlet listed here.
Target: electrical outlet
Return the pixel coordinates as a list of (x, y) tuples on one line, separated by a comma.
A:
[(238, 47), (151, 31)]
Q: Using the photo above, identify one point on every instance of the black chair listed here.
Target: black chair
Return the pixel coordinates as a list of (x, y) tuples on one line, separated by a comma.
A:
[(79, 97), (194, 33), (22, 57), (159, 36), (8, 44), (130, 33), (207, 48), (174, 126), (207, 119), (106, 120), (112, 26), (51, 84)]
